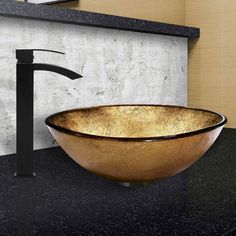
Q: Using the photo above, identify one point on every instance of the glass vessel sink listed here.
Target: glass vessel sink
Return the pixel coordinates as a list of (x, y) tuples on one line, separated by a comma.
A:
[(135, 143)]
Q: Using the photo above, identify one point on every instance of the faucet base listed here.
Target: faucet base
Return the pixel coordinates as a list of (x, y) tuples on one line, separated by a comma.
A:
[(17, 175), (130, 184)]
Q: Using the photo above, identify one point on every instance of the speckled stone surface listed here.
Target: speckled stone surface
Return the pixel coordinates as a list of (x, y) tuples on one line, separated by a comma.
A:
[(64, 199), (11, 8)]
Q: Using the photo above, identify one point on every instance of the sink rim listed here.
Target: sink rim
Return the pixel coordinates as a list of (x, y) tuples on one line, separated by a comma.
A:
[(135, 139)]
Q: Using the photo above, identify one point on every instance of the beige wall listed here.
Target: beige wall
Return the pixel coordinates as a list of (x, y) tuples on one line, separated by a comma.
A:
[(169, 11), (212, 59)]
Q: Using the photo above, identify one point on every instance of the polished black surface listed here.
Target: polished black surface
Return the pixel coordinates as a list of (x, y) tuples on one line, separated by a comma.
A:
[(12, 8), (64, 199)]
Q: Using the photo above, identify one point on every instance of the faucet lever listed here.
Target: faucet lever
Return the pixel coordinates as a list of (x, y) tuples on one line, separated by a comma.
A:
[(46, 50), (27, 55)]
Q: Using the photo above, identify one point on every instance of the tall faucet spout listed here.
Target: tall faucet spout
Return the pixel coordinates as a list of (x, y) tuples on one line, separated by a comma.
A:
[(57, 69), (25, 68)]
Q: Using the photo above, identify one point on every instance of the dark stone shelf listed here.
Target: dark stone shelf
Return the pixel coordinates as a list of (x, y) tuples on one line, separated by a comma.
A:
[(10, 8), (65, 199)]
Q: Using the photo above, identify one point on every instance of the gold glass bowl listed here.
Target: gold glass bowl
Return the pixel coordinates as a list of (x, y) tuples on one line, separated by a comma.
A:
[(135, 143)]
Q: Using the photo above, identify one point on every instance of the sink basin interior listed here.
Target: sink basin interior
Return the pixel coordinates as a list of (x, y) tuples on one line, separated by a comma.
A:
[(135, 121)]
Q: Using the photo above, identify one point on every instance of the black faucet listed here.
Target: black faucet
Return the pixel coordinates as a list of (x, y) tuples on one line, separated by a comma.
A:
[(25, 105)]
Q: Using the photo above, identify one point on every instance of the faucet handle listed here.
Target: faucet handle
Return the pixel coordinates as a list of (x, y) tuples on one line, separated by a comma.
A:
[(46, 50), (27, 55)]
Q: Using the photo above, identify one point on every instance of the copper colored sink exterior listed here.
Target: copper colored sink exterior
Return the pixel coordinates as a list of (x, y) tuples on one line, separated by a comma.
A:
[(135, 143)]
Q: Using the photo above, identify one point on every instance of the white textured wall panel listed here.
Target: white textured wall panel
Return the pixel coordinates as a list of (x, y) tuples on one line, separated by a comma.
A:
[(118, 67)]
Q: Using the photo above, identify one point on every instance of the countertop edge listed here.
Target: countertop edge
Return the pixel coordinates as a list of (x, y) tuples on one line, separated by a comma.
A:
[(13, 9)]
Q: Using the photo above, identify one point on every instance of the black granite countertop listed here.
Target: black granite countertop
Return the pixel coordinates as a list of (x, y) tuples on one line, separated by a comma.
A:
[(10, 8), (64, 199)]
